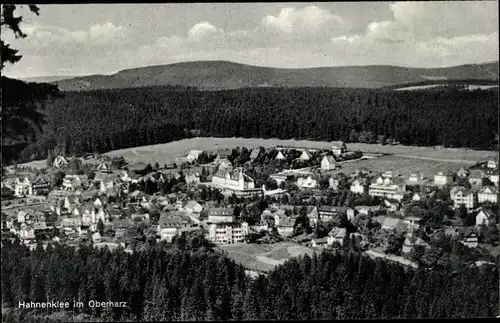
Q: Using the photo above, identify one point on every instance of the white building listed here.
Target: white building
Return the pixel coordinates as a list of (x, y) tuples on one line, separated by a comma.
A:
[(328, 163), (477, 177), (488, 194), (339, 151), (415, 178), (224, 233), (358, 186), (235, 179), (23, 187), (307, 182), (418, 197), (333, 183), (393, 188), (305, 155), (169, 225), (494, 179), (221, 215), (462, 196), (484, 216), (441, 179), (73, 182), (60, 162), (193, 155), (492, 164), (280, 156)]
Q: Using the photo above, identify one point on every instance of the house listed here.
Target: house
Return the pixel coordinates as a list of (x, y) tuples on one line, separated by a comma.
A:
[(411, 242), (494, 179), (488, 194), (72, 223), (462, 196), (484, 217), (23, 187), (74, 182), (411, 222), (280, 177), (40, 185), (388, 187), (129, 177), (279, 216), (417, 197), (192, 177), (328, 163), (26, 232), (223, 153), (319, 243), (339, 150), (192, 207), (492, 164), (256, 152), (70, 202), (470, 240), (224, 163), (120, 226), (193, 155), (358, 186), (313, 216), (415, 178), (221, 215), (333, 183), (234, 179), (228, 233), (96, 237), (442, 179), (280, 155), (171, 224), (98, 203), (285, 226), (388, 222), (336, 235), (463, 173), (60, 162), (332, 213), (104, 166), (477, 177), (307, 182), (305, 155)]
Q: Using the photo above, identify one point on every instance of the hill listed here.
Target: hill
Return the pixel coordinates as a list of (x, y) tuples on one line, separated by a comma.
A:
[(215, 75), (45, 79)]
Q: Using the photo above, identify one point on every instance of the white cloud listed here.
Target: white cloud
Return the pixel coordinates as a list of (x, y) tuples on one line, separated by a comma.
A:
[(311, 20), (203, 30)]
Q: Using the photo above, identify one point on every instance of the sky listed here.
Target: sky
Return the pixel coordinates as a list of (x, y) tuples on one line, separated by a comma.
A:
[(83, 39)]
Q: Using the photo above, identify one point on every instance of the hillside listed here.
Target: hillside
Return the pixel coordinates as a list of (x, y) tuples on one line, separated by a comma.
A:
[(215, 75), (45, 79)]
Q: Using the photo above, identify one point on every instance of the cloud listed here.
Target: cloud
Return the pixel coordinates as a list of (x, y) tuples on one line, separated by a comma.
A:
[(203, 30), (311, 20)]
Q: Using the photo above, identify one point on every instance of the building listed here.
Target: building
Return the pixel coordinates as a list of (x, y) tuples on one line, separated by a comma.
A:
[(280, 177), (40, 185), (336, 235), (333, 213), (221, 215), (104, 166), (74, 182), (492, 164), (23, 187), (228, 233), (417, 197), (463, 173), (280, 156), (328, 163), (256, 152), (462, 196), (484, 217), (411, 242), (193, 155), (358, 186), (415, 178), (285, 226), (305, 155), (388, 187), (171, 224), (442, 179), (333, 183), (477, 177), (488, 194), (411, 222), (313, 216), (224, 163), (234, 179), (60, 162), (339, 150), (388, 222), (470, 240), (307, 182), (192, 207), (193, 178)]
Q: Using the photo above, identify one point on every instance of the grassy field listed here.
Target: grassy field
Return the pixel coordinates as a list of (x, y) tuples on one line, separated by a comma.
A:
[(264, 257), (164, 153)]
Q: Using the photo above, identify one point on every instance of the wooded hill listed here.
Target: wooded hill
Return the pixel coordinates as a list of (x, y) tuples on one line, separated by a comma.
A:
[(216, 75), (182, 282)]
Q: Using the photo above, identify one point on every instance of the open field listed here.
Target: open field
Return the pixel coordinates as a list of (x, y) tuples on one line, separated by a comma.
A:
[(264, 257), (164, 153)]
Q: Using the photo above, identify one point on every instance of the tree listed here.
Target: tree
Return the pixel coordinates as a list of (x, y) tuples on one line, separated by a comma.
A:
[(58, 178), (100, 227)]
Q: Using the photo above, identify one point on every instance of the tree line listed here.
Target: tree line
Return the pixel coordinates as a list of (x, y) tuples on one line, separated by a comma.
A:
[(186, 282), (103, 120)]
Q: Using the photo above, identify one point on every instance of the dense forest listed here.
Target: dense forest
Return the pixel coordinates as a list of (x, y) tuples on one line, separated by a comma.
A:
[(185, 282), (103, 120)]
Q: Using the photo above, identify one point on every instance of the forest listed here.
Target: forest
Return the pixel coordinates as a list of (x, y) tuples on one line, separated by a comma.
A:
[(104, 120), (187, 280)]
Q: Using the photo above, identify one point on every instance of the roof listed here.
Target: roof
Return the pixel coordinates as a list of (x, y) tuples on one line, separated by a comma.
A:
[(191, 204), (219, 211), (121, 223), (255, 153), (477, 173), (287, 222), (174, 220), (329, 158), (491, 189), (224, 152), (388, 221), (489, 213), (338, 232)]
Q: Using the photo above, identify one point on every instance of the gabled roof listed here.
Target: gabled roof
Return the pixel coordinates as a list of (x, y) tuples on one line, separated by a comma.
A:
[(489, 213), (121, 223), (489, 190), (477, 173), (329, 158), (287, 221), (221, 211)]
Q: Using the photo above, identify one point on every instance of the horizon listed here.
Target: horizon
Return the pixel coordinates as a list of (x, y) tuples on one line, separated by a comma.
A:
[(103, 39)]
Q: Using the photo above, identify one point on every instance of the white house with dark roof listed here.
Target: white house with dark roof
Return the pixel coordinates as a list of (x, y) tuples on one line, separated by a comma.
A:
[(305, 155), (476, 177), (463, 173), (221, 215), (60, 162), (358, 186), (484, 217), (336, 235), (488, 194), (492, 164), (228, 233), (442, 179), (462, 196), (233, 179), (280, 155), (307, 182), (193, 155)]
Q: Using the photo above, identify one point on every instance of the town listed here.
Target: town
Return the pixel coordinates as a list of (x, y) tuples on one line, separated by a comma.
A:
[(255, 196)]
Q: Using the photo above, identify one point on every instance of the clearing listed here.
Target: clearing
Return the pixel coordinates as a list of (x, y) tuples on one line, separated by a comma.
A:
[(165, 153), (264, 257)]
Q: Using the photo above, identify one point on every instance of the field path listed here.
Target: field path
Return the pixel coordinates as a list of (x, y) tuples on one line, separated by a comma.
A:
[(438, 159)]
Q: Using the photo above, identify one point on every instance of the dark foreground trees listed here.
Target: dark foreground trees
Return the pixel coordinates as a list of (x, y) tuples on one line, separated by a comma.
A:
[(162, 284)]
